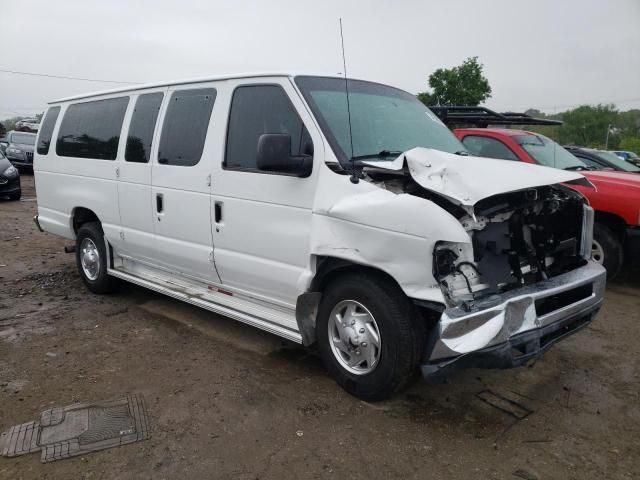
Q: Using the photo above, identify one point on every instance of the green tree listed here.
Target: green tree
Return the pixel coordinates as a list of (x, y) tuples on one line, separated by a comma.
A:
[(587, 126), (461, 85), (630, 144)]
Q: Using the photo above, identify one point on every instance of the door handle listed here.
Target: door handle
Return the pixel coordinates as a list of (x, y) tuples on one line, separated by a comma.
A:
[(218, 212), (159, 203)]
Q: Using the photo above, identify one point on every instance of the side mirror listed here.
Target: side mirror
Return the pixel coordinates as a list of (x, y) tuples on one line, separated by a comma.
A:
[(4, 145), (274, 155)]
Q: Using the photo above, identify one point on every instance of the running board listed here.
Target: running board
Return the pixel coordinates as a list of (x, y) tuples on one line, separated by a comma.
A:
[(286, 327)]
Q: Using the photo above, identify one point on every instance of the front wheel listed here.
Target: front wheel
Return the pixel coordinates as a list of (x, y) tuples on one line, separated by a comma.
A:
[(91, 258), (369, 336), (607, 249)]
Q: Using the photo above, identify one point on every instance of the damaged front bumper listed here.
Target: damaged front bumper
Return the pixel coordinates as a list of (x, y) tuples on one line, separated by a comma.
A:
[(510, 329)]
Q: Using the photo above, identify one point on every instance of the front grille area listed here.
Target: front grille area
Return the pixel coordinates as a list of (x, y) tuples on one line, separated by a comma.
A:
[(555, 302), (29, 156), (9, 185)]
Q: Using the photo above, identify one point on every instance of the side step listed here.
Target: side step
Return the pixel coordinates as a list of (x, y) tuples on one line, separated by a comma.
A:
[(272, 320)]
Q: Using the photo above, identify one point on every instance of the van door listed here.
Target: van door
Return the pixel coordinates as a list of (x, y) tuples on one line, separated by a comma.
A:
[(137, 235), (262, 220), (181, 180)]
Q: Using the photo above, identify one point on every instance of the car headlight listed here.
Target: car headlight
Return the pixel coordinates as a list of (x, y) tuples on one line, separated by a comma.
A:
[(10, 172), (13, 150)]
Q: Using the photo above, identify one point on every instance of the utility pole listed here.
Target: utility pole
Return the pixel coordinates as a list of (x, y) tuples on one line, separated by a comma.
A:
[(606, 142)]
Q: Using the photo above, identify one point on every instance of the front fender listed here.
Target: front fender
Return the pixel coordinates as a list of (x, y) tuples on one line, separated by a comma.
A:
[(390, 232)]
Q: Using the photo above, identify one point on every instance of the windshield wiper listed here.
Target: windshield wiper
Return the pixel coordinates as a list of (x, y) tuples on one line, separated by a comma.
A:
[(381, 154), (462, 153), (576, 167)]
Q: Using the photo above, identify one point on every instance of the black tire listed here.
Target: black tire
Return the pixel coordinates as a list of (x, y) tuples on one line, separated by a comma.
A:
[(612, 248), (401, 334), (102, 283), (16, 196)]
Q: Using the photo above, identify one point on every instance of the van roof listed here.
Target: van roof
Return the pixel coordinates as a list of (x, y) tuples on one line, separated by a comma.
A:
[(142, 86)]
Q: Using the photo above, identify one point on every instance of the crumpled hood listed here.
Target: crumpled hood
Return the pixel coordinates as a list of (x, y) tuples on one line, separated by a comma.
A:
[(466, 179)]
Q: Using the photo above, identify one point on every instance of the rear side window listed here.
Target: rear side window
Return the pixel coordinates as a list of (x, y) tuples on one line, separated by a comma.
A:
[(488, 147), (46, 130), (143, 124), (185, 127), (92, 129), (259, 109)]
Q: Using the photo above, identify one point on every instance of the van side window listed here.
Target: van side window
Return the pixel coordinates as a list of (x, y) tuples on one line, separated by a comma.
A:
[(488, 147), (143, 124), (92, 129), (185, 127), (256, 110), (47, 130)]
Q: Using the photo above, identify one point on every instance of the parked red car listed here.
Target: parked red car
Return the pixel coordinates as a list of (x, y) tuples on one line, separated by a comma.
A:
[(616, 198)]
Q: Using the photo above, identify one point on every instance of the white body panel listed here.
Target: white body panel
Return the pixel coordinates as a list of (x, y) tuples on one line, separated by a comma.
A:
[(262, 241), (272, 228), (134, 197), (183, 229)]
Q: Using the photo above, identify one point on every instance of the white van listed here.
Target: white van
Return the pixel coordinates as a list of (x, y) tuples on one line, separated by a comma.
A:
[(355, 222)]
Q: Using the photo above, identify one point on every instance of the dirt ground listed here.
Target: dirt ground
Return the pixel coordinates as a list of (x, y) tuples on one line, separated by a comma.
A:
[(227, 401)]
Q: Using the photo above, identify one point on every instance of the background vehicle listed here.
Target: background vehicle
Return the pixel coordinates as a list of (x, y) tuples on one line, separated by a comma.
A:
[(616, 198), (248, 196), (18, 148), (601, 159), (9, 179), (28, 125), (628, 156)]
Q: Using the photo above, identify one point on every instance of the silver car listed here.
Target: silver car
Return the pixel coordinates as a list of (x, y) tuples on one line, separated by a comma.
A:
[(18, 148)]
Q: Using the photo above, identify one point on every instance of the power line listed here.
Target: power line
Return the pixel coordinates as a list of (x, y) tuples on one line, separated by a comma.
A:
[(64, 77)]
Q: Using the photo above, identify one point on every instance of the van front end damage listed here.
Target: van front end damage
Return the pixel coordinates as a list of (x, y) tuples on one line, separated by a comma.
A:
[(522, 278), (508, 330), (522, 284)]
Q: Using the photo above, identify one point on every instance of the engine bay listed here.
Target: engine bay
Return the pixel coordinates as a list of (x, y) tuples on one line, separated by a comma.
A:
[(517, 238)]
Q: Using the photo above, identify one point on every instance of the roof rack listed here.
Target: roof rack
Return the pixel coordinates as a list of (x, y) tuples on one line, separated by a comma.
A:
[(482, 117)]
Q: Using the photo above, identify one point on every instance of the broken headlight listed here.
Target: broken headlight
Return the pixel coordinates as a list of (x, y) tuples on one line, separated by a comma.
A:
[(456, 272)]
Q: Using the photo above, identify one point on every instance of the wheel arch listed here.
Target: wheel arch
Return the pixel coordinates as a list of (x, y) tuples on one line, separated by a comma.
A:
[(80, 216), (330, 268), (613, 222)]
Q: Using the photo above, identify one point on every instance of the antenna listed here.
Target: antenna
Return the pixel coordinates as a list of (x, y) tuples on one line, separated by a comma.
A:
[(354, 176)]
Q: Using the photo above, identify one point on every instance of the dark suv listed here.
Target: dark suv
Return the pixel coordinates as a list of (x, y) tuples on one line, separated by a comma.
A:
[(9, 180), (602, 160), (18, 148)]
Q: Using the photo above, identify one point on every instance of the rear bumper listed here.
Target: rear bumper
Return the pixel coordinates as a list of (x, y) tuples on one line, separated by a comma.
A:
[(37, 222), (509, 330)]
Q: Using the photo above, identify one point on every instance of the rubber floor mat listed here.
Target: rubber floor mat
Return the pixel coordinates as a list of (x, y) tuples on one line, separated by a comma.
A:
[(77, 429)]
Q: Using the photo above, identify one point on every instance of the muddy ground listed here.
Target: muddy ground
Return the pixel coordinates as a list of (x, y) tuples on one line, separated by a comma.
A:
[(227, 401)]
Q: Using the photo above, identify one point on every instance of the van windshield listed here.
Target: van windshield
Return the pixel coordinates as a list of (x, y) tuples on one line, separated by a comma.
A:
[(548, 153), (385, 121)]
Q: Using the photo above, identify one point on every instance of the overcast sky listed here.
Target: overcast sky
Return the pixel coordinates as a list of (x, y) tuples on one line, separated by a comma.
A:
[(547, 54)]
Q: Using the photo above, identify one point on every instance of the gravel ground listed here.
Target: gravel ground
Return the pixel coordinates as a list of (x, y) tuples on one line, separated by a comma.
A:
[(227, 401)]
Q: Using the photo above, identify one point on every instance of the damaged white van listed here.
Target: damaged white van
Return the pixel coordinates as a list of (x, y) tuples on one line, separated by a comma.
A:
[(354, 222)]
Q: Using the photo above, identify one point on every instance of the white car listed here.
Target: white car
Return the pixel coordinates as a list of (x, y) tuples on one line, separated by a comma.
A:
[(28, 125), (353, 222)]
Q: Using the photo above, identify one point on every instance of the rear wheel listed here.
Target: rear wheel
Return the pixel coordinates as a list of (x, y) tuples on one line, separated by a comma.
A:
[(91, 258), (368, 335), (607, 249), (16, 196)]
